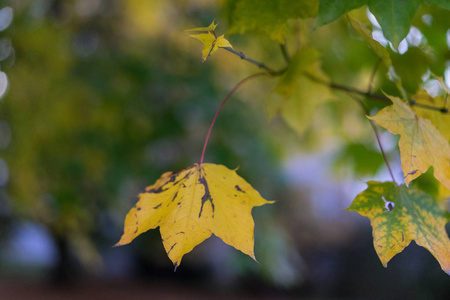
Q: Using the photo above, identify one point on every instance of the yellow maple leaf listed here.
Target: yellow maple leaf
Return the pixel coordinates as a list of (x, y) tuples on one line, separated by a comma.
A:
[(421, 144), (191, 205), (439, 119), (211, 43)]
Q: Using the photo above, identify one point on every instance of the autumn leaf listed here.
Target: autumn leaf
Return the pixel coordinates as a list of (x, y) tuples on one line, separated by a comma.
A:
[(439, 119), (399, 215), (421, 144), (191, 205), (211, 43)]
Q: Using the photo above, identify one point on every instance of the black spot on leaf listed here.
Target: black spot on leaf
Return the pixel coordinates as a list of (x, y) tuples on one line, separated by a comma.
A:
[(206, 196), (171, 248), (238, 189)]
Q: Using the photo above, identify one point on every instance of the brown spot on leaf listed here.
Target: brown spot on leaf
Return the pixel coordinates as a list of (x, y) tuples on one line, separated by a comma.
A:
[(157, 206)]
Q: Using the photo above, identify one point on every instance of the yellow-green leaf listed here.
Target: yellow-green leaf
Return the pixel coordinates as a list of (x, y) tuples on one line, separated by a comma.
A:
[(211, 27), (399, 215), (211, 43), (421, 144), (300, 91), (191, 205), (366, 34)]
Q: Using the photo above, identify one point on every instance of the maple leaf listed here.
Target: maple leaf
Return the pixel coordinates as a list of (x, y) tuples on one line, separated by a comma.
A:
[(399, 215), (439, 119), (300, 91), (421, 144), (191, 205), (211, 43), (394, 16)]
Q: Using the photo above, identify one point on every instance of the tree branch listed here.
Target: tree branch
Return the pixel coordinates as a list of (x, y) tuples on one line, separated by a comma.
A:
[(285, 53), (233, 90), (443, 110), (332, 85), (372, 75), (377, 135), (257, 63)]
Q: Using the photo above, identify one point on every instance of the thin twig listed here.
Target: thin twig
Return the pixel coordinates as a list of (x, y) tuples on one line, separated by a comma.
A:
[(443, 110), (239, 84), (285, 53), (377, 135), (349, 89), (356, 91), (372, 76), (336, 86), (257, 63)]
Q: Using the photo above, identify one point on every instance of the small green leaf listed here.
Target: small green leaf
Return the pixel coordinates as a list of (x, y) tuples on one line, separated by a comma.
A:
[(331, 10), (399, 215), (395, 17)]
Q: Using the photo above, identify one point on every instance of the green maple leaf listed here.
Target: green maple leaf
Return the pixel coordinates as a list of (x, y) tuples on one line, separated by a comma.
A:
[(331, 10), (394, 16), (399, 215)]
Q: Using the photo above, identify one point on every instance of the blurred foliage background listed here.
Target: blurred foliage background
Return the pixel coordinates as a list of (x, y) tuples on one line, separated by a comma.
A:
[(99, 98)]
